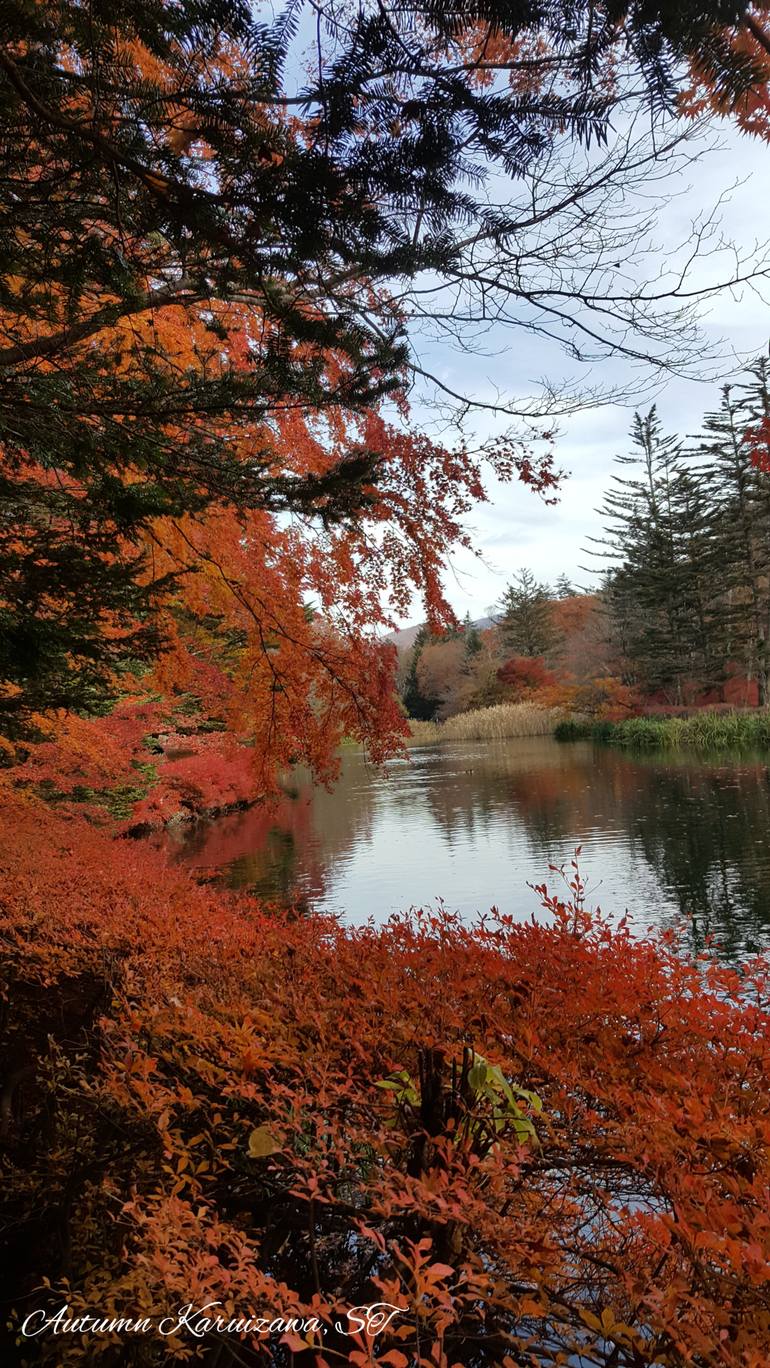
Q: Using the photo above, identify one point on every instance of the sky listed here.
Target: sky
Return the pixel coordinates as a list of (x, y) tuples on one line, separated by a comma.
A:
[(516, 529)]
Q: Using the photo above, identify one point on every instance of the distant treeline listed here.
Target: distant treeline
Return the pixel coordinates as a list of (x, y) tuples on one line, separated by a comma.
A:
[(682, 612), (539, 637)]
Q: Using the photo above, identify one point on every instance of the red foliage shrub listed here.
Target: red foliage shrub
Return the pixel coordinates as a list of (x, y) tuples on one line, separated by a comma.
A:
[(522, 676), (135, 765), (202, 774), (738, 691), (541, 1141)]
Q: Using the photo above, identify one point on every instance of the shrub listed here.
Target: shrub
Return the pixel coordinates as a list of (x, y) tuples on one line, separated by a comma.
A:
[(605, 699), (574, 729), (545, 1142), (522, 676)]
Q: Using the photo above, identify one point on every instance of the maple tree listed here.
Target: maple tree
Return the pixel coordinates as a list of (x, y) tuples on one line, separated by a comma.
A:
[(731, 72), (205, 281), (523, 676)]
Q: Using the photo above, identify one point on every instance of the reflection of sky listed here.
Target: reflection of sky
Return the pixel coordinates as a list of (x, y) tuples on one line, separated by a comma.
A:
[(409, 858), (668, 839)]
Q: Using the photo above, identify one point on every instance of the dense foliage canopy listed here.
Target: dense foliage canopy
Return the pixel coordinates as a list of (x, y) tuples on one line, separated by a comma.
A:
[(217, 228)]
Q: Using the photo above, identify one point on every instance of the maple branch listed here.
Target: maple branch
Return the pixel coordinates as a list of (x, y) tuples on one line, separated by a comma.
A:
[(757, 32), (159, 185), (39, 347)]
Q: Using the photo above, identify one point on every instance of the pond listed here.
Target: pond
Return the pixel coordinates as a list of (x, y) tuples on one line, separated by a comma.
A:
[(662, 837)]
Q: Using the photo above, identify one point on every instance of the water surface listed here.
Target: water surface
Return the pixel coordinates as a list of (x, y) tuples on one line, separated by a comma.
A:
[(472, 824)]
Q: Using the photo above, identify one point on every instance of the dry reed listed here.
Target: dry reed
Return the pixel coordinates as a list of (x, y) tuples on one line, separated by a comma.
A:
[(498, 723)]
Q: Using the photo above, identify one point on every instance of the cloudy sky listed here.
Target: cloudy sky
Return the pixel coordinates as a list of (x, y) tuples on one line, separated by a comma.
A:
[(516, 529)]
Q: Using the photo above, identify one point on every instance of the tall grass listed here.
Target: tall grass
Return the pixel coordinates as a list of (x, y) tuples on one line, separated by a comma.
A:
[(489, 724), (702, 731)]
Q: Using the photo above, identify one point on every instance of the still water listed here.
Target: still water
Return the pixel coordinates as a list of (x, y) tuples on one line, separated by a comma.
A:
[(473, 824)]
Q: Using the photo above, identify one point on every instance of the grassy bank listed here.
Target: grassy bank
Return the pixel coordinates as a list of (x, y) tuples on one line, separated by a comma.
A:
[(489, 724), (704, 731)]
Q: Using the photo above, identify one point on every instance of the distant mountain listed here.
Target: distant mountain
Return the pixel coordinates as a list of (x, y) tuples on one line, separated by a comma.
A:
[(404, 636)]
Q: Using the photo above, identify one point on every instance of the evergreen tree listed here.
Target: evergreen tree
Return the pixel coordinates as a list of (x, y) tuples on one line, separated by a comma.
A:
[(525, 622), (727, 449), (657, 538), (564, 588), (416, 704), (473, 646)]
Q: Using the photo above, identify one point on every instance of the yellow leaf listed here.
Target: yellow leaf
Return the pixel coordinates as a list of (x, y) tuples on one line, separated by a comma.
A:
[(262, 1143)]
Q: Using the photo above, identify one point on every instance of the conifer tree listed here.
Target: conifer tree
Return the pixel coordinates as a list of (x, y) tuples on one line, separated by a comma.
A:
[(473, 646), (658, 543), (525, 623), (727, 448), (416, 704)]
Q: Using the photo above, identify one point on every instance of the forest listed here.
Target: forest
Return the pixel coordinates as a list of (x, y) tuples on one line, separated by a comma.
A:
[(678, 615), (230, 464)]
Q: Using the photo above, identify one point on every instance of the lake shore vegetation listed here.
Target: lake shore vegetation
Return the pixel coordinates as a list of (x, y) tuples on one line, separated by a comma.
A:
[(702, 731), (496, 723), (532, 1140)]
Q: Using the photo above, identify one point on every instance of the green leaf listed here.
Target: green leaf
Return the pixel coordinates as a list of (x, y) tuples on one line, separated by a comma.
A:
[(477, 1074)]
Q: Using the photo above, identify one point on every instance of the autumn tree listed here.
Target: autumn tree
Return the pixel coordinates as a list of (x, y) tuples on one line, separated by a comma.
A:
[(581, 651), (442, 676), (210, 281), (525, 675), (417, 698), (731, 70)]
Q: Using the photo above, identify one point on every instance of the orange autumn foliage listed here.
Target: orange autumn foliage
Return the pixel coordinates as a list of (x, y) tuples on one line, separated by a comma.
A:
[(749, 39), (276, 625), (272, 592), (525, 676), (606, 699), (538, 1141)]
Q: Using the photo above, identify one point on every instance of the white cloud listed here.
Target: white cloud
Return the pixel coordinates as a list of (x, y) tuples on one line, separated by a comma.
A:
[(517, 529)]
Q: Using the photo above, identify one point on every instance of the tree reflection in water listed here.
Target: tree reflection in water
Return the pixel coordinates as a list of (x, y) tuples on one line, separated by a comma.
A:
[(664, 837)]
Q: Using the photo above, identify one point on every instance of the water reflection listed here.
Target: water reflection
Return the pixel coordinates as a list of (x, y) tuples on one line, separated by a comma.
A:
[(472, 824)]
